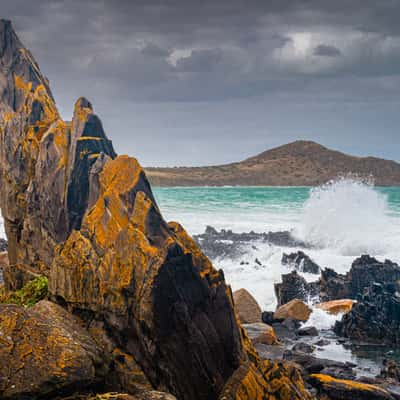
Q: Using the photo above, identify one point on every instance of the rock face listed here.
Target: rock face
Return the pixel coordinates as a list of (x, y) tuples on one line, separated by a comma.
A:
[(246, 307), (44, 351), (375, 317), (87, 219)]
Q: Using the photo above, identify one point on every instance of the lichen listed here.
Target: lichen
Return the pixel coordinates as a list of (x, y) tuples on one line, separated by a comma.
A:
[(27, 296)]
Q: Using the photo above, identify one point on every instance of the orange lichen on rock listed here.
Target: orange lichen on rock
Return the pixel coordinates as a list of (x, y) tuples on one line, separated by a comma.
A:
[(270, 381), (43, 350), (348, 390)]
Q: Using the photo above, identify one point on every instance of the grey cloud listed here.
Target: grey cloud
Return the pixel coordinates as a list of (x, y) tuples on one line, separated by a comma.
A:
[(325, 50), (232, 57)]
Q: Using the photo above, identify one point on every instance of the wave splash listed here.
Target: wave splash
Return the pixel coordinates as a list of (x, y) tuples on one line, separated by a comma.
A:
[(348, 215)]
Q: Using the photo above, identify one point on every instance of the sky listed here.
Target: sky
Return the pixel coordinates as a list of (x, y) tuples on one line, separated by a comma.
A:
[(191, 82)]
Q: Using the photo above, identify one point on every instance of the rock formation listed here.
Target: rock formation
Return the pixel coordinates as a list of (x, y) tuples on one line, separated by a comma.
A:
[(87, 219)]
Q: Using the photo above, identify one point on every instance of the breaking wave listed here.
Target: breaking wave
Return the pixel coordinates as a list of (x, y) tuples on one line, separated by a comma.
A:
[(348, 215)]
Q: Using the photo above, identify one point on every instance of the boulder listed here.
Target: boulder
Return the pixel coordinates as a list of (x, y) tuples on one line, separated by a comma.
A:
[(294, 286), (342, 389), (295, 309), (246, 307), (44, 351), (334, 286), (336, 306), (261, 333), (308, 331), (301, 262)]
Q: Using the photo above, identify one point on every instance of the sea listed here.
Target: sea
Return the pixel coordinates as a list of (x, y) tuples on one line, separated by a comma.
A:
[(342, 220)]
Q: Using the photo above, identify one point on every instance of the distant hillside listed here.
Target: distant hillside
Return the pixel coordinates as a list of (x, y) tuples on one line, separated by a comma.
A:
[(301, 163)]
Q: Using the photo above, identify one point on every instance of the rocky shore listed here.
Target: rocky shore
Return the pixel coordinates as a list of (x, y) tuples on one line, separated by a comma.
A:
[(104, 299)]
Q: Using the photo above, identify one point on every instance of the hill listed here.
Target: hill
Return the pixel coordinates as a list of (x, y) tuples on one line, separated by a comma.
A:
[(301, 163)]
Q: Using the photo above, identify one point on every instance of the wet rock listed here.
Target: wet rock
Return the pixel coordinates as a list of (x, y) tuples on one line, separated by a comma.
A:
[(261, 333), (336, 306), (322, 342), (294, 286), (270, 352), (287, 329), (268, 317), (44, 351), (390, 371), (308, 331), (226, 243), (364, 271), (3, 245), (341, 389), (303, 348), (375, 317), (313, 365), (334, 286), (301, 262), (246, 307), (295, 309)]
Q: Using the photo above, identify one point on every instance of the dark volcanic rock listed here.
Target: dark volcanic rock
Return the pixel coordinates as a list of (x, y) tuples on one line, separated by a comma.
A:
[(226, 243), (294, 286), (364, 271), (375, 317), (308, 331), (301, 262), (333, 285)]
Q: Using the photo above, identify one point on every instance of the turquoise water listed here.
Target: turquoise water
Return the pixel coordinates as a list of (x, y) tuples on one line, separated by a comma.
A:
[(341, 220)]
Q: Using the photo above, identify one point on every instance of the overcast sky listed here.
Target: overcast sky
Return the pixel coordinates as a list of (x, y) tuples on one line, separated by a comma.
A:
[(191, 82)]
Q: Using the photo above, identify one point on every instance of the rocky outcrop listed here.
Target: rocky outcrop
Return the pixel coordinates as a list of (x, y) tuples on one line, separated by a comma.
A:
[(246, 307), (364, 271), (44, 351), (87, 219), (294, 286), (375, 317), (301, 262)]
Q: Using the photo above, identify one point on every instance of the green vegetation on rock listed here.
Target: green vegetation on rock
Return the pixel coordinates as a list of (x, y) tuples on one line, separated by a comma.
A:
[(29, 295)]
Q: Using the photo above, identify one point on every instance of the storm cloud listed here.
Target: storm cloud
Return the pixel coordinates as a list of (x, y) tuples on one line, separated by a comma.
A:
[(188, 83)]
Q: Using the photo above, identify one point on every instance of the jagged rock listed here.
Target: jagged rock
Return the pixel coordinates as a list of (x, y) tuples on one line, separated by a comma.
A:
[(295, 309), (294, 286), (301, 262), (246, 306), (336, 306), (44, 351), (341, 389), (88, 220), (375, 317), (364, 271), (334, 286), (261, 333)]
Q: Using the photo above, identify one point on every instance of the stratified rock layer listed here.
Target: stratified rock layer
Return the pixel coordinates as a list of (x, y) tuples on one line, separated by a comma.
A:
[(87, 220)]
